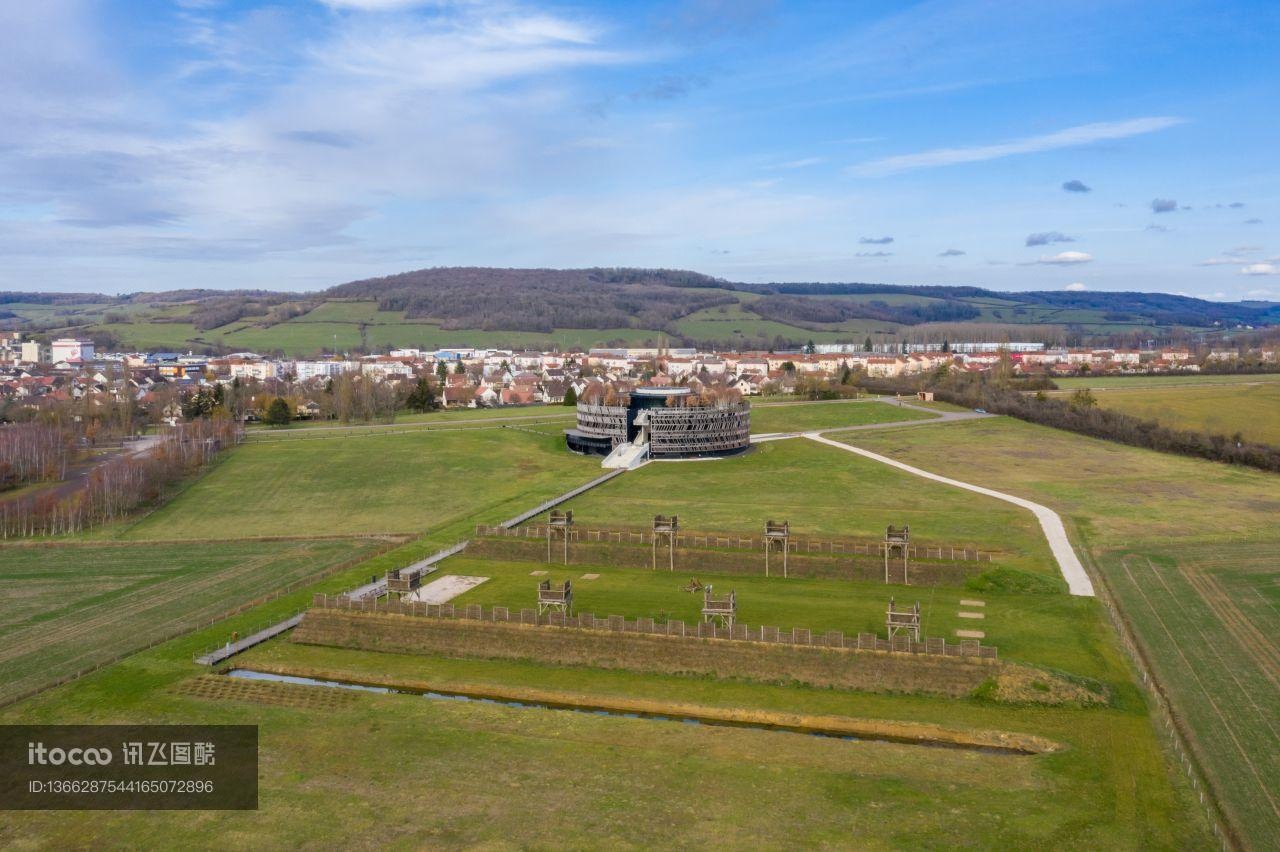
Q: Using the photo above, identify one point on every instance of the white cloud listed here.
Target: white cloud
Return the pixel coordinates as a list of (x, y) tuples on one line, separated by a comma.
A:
[(1261, 269), (1219, 261), (1075, 287), (1065, 258), (1083, 134)]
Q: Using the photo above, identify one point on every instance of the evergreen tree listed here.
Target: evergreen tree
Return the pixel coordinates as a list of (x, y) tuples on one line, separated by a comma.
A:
[(946, 346), (459, 368), (423, 397), (570, 396), (866, 344), (442, 370), (278, 413)]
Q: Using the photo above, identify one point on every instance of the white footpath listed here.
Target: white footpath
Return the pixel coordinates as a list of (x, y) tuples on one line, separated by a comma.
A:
[(444, 589), (1073, 572)]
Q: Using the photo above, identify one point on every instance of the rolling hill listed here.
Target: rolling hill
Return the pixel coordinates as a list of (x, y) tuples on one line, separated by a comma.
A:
[(617, 306)]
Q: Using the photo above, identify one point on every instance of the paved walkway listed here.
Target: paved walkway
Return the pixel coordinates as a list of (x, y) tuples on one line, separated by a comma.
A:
[(1068, 563)]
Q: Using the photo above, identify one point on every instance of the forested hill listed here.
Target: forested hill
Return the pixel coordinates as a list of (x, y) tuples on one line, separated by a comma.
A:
[(614, 306), (542, 299)]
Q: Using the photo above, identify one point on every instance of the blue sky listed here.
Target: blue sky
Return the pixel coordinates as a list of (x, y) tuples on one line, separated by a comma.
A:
[(158, 144)]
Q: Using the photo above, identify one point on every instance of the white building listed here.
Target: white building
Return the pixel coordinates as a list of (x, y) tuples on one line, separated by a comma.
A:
[(303, 370), (71, 349)]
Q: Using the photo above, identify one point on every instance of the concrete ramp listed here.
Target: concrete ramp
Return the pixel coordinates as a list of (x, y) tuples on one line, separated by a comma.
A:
[(626, 456)]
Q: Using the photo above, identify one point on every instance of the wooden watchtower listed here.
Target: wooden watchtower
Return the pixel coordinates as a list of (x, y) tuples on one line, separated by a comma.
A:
[(903, 620), (777, 534), (665, 528), (897, 540), (559, 525), (558, 598), (401, 581), (722, 611)]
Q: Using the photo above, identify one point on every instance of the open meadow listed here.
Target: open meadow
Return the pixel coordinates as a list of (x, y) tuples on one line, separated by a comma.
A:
[(821, 492), (335, 765), (69, 606), (1248, 408), (372, 483), (1187, 548)]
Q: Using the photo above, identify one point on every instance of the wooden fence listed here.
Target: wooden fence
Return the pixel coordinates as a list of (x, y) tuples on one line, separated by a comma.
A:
[(800, 636), (797, 544)]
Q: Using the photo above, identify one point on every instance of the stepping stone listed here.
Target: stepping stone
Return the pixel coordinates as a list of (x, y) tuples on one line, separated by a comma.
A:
[(972, 603), (972, 614), (971, 634), (591, 576), (537, 573)]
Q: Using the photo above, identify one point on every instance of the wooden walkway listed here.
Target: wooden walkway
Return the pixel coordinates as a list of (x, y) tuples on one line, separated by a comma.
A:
[(232, 648), (377, 588)]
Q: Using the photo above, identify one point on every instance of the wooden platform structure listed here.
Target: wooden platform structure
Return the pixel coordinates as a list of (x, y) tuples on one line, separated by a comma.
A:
[(559, 525), (897, 540), (777, 534), (722, 611), (665, 528), (401, 581), (903, 621), (558, 598)]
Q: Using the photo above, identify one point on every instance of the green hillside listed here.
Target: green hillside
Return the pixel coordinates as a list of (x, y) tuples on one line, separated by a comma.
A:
[(598, 307)]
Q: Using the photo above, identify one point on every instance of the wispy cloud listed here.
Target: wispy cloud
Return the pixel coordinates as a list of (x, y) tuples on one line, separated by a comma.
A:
[(1044, 238), (876, 241), (1065, 258), (1076, 186), (1075, 287), (1084, 134), (1261, 269), (1163, 205), (874, 254), (952, 252)]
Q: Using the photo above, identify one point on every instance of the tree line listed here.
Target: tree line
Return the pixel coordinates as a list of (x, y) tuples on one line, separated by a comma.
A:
[(114, 489)]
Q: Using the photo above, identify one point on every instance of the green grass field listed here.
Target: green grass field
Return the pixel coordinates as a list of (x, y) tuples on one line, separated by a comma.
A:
[(821, 492), (370, 483), (1188, 549), (345, 775), (827, 415), (1251, 409), (67, 607), (1040, 629), (340, 776)]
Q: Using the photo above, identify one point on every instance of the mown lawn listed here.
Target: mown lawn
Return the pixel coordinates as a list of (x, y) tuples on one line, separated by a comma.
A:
[(1187, 547), (821, 491), (369, 483), (803, 416)]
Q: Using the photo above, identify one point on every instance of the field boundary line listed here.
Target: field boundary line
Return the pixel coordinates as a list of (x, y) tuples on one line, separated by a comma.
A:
[(1078, 582)]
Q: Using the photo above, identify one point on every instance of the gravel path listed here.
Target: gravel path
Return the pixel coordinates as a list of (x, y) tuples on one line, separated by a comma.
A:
[(1072, 571)]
